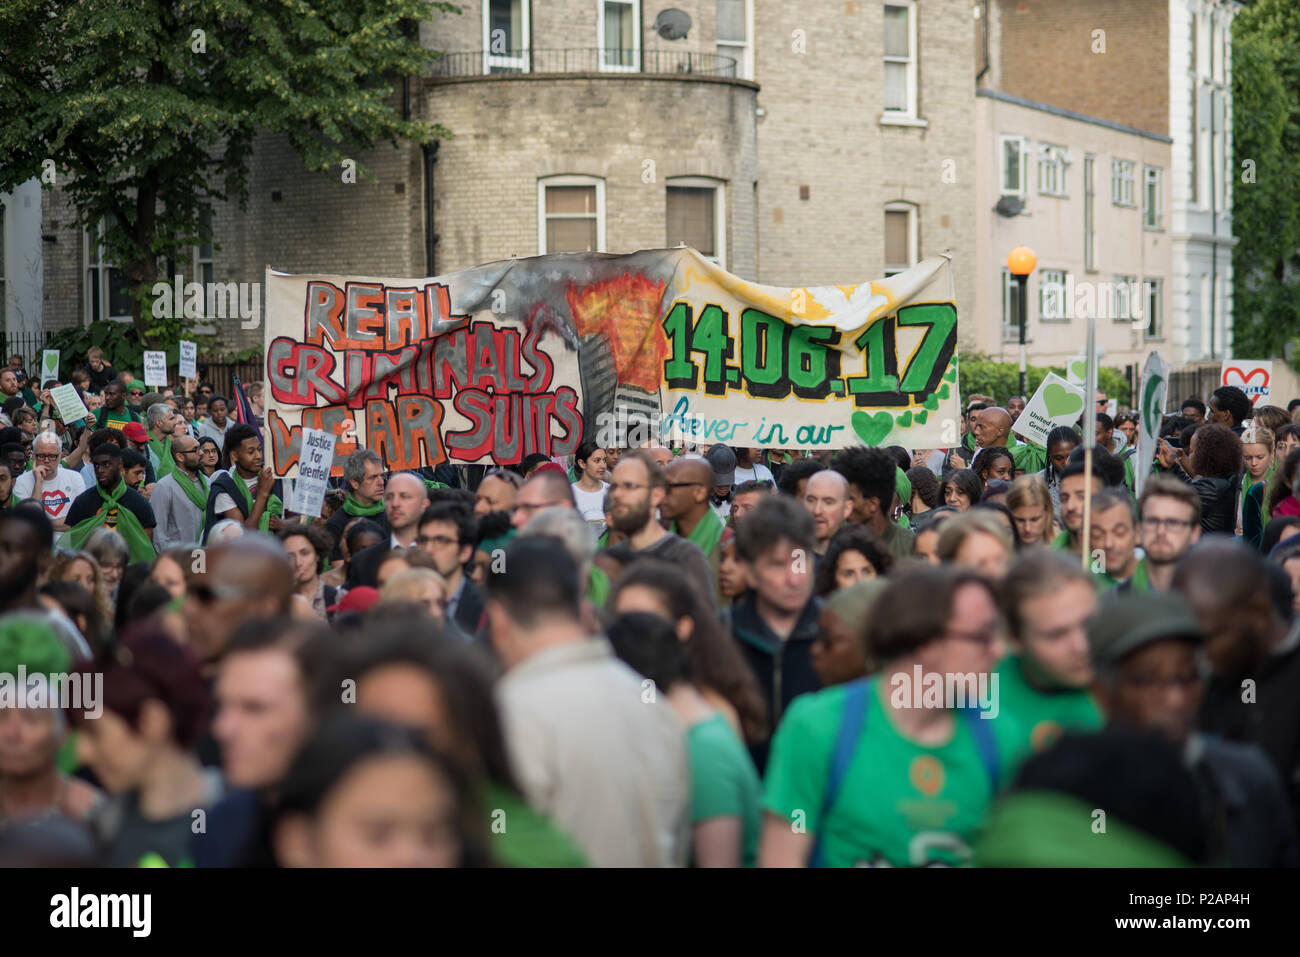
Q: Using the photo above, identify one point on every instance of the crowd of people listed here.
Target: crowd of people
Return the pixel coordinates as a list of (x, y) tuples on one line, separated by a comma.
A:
[(685, 656)]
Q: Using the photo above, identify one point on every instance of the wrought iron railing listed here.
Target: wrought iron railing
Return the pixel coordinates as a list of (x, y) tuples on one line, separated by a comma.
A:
[(583, 60)]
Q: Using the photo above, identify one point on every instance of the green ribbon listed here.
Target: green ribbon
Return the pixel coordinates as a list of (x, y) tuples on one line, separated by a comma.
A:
[(357, 510), (273, 504), (162, 451), (198, 494), (128, 526)]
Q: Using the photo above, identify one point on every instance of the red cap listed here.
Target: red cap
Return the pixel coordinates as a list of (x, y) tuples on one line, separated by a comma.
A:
[(358, 599), (135, 432), (550, 467)]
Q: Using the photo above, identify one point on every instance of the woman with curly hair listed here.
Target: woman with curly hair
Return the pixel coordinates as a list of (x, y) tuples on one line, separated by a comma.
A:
[(84, 570), (961, 488), (855, 554), (1215, 460), (925, 491)]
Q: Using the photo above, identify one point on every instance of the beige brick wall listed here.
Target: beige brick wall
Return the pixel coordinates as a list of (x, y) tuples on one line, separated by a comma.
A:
[(822, 129)]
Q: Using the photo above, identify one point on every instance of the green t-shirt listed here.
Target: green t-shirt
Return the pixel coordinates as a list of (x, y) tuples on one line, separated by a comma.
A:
[(723, 781), (901, 804), (1043, 715), (518, 836)]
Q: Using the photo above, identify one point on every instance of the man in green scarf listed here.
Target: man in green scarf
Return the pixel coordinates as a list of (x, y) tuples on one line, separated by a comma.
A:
[(110, 504), (363, 478), (690, 481), (162, 422), (181, 497), (245, 493)]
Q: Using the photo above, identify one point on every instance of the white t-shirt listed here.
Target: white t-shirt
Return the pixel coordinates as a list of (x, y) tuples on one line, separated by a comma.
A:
[(56, 494), (591, 506), (757, 473), (224, 502)]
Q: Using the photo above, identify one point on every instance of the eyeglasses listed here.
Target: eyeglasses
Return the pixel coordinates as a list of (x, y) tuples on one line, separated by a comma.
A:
[(45, 456), (1173, 524), (137, 392), (442, 541)]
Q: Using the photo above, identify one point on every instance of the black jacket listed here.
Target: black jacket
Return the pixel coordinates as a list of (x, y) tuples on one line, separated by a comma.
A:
[(783, 668), (1247, 819), (469, 612), (340, 520)]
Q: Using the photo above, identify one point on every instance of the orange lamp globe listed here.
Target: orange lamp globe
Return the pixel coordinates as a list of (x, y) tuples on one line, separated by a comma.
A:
[(1021, 261)]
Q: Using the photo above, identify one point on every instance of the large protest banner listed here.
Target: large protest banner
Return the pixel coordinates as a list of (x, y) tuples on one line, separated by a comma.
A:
[(496, 362)]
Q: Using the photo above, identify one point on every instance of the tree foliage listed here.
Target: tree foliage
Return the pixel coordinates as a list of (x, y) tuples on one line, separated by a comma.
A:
[(979, 373), (148, 109), (1266, 189)]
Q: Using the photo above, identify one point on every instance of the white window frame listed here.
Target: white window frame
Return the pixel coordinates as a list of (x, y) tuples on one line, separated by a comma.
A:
[(104, 268), (509, 63), (910, 61), (1011, 317), (913, 236), (719, 212), (570, 180), (1052, 280), (1053, 158), (1126, 284), (1023, 191), (1089, 213), (200, 261), (744, 51), (636, 37), (1154, 293), (1153, 218), (1123, 174)]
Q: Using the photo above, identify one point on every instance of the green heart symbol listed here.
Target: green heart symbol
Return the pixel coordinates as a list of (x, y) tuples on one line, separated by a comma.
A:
[(872, 428), (943, 391), (921, 416), (905, 419), (951, 374), (932, 403), (1079, 368), (1061, 401)]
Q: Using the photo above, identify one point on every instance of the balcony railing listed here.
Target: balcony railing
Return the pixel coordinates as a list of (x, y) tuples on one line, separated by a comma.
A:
[(583, 60)]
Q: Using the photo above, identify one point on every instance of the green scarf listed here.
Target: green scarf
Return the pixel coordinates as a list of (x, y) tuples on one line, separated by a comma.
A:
[(197, 494), (598, 586), (706, 533), (128, 526), (273, 504), (357, 510), (162, 451)]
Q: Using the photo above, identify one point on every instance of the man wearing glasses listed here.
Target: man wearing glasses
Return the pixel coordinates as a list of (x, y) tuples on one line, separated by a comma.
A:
[(1170, 524), (180, 497), (49, 484)]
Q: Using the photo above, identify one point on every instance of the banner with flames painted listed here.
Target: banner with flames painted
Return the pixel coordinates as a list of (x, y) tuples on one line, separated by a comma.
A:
[(503, 360)]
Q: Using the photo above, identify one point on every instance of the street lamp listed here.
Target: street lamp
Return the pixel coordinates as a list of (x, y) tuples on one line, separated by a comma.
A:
[(1021, 262)]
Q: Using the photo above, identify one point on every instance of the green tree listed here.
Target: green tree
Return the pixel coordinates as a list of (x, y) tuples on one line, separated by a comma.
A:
[(1266, 190), (146, 110)]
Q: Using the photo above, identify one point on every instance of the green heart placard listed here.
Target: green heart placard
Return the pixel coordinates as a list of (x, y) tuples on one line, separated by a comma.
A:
[(872, 429), (1079, 368), (1061, 401)]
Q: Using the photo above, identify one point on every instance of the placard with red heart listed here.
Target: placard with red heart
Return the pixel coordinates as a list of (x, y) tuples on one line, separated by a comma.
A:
[(1249, 376)]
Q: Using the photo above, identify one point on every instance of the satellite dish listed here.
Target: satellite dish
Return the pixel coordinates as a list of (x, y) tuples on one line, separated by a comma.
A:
[(1009, 206), (673, 24)]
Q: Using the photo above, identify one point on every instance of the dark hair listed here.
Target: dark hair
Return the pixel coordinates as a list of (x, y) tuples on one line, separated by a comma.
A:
[(209, 440), (462, 677), (1286, 432), (236, 435), (1284, 480), (459, 497), (774, 520), (1218, 452), (1192, 402), (110, 450), (76, 601), (796, 472), (977, 407), (1105, 421), (492, 525), (902, 458), (872, 470), (346, 740), (966, 481), (1001, 509), (925, 485), (1230, 399), (1185, 435), (532, 460), (146, 664), (463, 519), (901, 624), (991, 455), (1129, 417), (147, 600), (217, 397), (650, 645), (1107, 465), (133, 576), (540, 578), (1037, 570), (1173, 425), (1111, 497), (585, 451), (34, 517), (359, 527), (753, 485), (716, 661), (992, 489), (133, 459), (1165, 486), (321, 541), (852, 538), (1062, 435), (1076, 467)]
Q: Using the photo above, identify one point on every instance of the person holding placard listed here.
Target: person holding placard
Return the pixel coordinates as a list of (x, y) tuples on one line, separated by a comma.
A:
[(244, 494), (114, 414), (181, 497)]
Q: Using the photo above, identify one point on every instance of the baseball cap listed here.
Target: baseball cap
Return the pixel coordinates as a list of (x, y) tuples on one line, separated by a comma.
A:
[(359, 599), (1127, 622), (135, 432), (723, 462)]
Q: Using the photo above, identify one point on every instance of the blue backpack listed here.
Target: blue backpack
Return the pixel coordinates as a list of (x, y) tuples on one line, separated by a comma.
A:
[(854, 722)]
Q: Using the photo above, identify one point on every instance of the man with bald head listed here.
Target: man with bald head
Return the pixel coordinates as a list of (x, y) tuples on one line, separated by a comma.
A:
[(686, 506), (1243, 602), (826, 496), (248, 579), (405, 500)]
